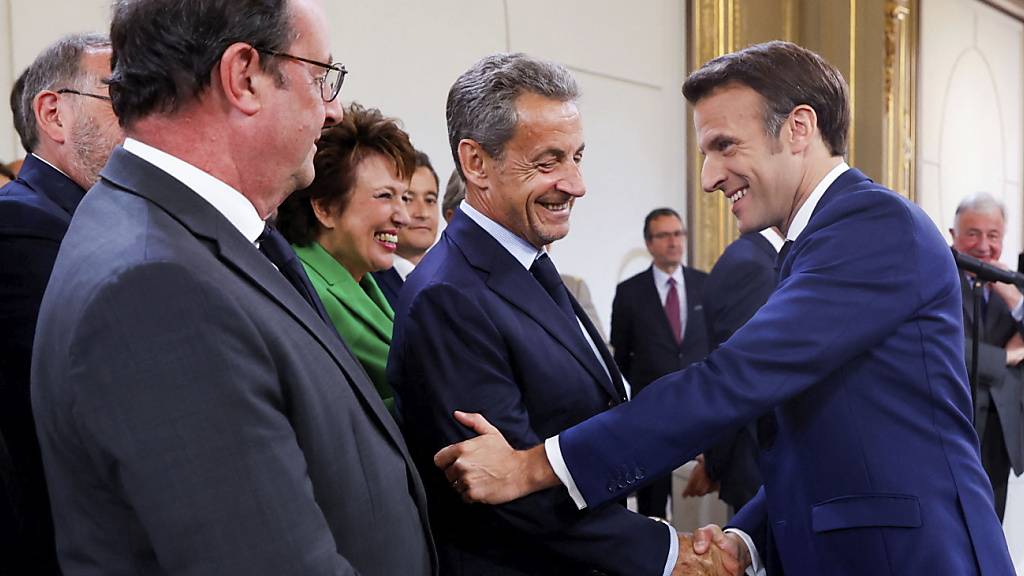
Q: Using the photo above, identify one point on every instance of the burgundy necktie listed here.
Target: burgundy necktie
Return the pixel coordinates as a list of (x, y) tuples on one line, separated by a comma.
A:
[(672, 311)]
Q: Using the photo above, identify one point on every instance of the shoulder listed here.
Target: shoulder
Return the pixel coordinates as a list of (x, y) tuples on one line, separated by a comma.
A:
[(25, 211), (636, 280)]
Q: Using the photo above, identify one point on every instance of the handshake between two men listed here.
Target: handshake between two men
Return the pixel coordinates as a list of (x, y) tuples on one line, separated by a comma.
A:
[(486, 469)]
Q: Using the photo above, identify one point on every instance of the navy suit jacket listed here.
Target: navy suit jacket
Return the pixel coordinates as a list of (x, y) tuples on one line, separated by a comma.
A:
[(390, 283), (475, 331), (645, 349), (35, 211), (873, 465), (739, 284)]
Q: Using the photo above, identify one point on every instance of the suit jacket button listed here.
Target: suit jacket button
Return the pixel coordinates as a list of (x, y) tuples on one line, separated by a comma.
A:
[(610, 487)]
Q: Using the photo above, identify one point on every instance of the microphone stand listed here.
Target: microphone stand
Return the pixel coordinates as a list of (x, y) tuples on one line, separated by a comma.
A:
[(977, 295)]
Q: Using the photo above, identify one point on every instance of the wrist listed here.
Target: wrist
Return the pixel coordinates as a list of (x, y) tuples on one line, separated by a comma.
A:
[(537, 473)]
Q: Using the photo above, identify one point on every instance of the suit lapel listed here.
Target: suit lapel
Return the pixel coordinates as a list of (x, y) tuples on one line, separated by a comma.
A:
[(136, 176), (348, 292), (507, 278)]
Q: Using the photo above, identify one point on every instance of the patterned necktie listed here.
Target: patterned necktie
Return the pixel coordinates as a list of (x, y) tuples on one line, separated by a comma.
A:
[(543, 269), (276, 249), (672, 311)]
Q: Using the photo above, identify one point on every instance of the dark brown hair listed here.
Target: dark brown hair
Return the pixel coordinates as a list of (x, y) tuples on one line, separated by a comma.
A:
[(361, 133), (786, 76)]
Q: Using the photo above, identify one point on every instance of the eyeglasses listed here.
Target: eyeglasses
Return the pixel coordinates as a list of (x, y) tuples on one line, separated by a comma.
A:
[(330, 82), (76, 92), (665, 235)]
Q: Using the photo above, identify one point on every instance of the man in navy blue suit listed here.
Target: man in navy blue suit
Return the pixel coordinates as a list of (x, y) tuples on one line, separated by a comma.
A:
[(739, 284), (486, 324), (63, 116), (658, 324), (854, 367)]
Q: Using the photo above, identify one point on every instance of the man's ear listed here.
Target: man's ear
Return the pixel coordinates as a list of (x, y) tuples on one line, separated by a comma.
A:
[(472, 158), (49, 120), (803, 127), (241, 79)]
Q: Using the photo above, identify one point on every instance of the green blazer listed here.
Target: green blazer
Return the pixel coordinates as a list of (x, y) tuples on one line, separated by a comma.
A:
[(358, 310)]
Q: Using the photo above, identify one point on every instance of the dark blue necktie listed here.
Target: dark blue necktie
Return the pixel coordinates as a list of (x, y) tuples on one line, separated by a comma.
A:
[(783, 252), (276, 249), (544, 271)]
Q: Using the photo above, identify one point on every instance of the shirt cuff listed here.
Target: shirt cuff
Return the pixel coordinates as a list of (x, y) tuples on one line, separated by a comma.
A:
[(673, 550), (554, 454), (755, 568), (1018, 311)]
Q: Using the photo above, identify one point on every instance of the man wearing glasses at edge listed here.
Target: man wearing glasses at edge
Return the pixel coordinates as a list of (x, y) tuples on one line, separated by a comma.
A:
[(196, 413)]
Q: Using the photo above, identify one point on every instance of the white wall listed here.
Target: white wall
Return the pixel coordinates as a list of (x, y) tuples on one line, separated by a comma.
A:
[(969, 136), (403, 55)]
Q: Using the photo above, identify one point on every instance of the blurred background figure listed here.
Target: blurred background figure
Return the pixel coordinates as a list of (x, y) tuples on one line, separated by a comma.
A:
[(415, 239), (739, 284), (346, 225), (454, 192), (978, 231), (577, 286), (6, 174), (658, 324), (64, 120)]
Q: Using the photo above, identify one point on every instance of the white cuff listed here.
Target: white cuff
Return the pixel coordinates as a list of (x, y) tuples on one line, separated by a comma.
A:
[(554, 454), (755, 568), (673, 550), (1018, 311)]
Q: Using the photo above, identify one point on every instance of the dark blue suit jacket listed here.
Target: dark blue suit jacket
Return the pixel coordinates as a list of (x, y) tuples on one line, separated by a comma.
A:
[(390, 283), (858, 354), (645, 349), (739, 284), (475, 331), (35, 211)]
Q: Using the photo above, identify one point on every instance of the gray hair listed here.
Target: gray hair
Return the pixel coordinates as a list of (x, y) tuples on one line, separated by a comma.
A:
[(58, 66), (454, 192), (980, 202), (482, 102)]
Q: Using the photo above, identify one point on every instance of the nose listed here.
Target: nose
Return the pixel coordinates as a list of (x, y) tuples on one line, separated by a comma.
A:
[(572, 182), (712, 177), (333, 112), (400, 215)]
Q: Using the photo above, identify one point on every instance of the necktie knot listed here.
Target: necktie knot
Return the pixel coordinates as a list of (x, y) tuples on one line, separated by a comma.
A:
[(543, 269)]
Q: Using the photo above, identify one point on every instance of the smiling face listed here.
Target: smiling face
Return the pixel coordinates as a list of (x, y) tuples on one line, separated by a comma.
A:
[(364, 235), (532, 188), (756, 172), (979, 234), (421, 201)]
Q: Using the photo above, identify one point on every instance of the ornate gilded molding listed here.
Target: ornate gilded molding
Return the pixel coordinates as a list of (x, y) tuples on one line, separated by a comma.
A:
[(900, 86)]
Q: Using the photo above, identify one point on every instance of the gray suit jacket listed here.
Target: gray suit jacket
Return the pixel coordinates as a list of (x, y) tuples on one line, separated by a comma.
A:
[(997, 384), (195, 414)]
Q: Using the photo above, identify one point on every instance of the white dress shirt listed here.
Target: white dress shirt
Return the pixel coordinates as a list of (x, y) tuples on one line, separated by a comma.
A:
[(525, 253), (402, 266)]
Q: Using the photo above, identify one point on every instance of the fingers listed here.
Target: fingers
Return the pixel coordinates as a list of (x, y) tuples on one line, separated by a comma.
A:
[(475, 422), (704, 537)]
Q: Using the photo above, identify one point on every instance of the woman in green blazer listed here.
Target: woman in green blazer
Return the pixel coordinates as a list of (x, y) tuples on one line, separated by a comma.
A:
[(345, 225)]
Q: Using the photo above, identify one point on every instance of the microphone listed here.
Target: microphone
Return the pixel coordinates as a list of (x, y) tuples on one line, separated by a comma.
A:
[(987, 272)]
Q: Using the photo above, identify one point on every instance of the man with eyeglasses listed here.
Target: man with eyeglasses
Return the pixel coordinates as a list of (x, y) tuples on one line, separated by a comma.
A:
[(68, 137), (658, 324), (196, 413)]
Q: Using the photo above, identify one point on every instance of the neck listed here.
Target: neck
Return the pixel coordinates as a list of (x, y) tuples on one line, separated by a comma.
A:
[(206, 142), (669, 269), (812, 176), (414, 258)]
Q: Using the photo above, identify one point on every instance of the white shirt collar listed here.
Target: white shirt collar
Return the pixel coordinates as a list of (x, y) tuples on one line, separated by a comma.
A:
[(774, 237), (661, 277), (402, 266), (229, 202), (520, 249), (803, 215)]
